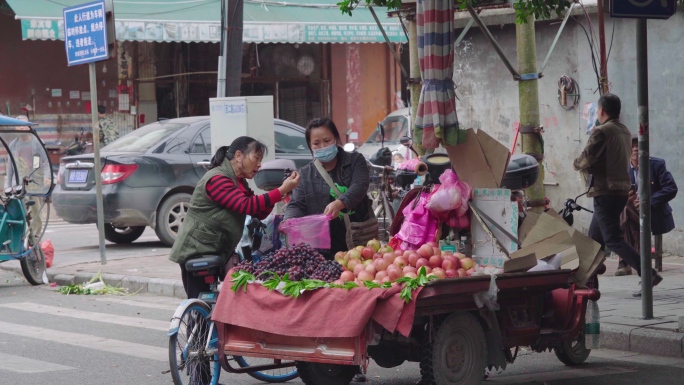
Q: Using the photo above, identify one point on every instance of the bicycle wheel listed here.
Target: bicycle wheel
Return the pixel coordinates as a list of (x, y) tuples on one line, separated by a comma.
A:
[(190, 361), (272, 376)]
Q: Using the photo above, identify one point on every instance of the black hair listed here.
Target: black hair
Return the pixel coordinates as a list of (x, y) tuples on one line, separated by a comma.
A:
[(321, 122), (244, 144), (611, 105), (101, 109)]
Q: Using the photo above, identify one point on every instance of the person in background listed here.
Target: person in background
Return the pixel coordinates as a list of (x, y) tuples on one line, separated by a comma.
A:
[(108, 130), (397, 159), (605, 160), (219, 205), (663, 190)]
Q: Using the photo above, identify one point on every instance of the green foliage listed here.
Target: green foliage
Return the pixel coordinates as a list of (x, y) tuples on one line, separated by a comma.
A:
[(541, 9)]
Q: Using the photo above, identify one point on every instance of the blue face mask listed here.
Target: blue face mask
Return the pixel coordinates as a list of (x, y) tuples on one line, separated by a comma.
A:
[(326, 154)]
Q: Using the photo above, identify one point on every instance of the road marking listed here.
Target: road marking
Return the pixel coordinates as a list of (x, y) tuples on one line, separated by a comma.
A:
[(559, 375), (87, 341), (149, 305), (90, 316), (18, 364)]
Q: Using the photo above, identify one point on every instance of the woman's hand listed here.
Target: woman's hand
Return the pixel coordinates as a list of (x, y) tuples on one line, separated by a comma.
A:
[(289, 184), (333, 209)]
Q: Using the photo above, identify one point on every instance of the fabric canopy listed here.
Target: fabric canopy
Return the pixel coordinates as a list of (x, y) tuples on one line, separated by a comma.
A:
[(296, 21), (436, 120)]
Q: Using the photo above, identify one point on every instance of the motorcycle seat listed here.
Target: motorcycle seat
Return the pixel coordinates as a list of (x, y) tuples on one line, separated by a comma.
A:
[(205, 265)]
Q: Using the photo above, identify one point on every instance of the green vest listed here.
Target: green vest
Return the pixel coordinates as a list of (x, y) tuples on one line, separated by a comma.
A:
[(208, 228)]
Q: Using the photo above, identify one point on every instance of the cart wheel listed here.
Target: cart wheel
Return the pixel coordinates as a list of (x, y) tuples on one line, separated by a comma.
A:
[(458, 354), (271, 376), (189, 360), (325, 374), (33, 265), (574, 352)]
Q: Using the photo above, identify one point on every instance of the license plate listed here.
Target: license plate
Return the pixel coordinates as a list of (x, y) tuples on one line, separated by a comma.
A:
[(78, 176)]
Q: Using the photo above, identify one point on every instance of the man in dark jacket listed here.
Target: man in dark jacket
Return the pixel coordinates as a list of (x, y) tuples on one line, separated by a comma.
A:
[(663, 190), (605, 161)]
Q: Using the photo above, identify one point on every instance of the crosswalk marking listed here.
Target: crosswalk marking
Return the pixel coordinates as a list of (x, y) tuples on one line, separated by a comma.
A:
[(149, 305), (18, 364), (87, 341), (559, 375), (90, 316)]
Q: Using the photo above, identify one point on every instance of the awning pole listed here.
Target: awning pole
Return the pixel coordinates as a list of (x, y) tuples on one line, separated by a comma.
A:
[(492, 40), (555, 40), (463, 33), (387, 40), (221, 81)]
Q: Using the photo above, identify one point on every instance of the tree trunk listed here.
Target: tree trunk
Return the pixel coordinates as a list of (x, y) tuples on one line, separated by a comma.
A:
[(234, 51), (528, 92)]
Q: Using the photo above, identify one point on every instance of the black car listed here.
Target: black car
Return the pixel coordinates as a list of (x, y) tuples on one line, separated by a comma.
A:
[(149, 175)]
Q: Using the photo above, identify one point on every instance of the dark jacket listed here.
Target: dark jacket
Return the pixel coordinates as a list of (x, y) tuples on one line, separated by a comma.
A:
[(663, 190), (606, 157), (312, 194)]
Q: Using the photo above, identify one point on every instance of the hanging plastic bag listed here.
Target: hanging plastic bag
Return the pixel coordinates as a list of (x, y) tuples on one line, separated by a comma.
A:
[(449, 195), (48, 252), (314, 230)]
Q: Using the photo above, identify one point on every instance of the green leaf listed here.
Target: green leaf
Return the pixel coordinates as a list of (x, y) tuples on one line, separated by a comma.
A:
[(387, 285), (406, 294), (240, 280), (273, 282), (350, 285), (371, 284)]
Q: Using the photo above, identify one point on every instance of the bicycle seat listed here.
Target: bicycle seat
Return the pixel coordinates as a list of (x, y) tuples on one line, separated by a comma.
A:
[(206, 265)]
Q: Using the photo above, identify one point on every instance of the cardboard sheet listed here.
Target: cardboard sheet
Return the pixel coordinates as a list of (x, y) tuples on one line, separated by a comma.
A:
[(557, 243), (523, 263), (480, 161)]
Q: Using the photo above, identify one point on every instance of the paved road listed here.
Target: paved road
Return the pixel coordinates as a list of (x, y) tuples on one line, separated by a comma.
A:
[(50, 338)]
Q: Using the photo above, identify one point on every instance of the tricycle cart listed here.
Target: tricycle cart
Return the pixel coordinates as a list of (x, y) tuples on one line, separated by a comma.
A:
[(454, 340)]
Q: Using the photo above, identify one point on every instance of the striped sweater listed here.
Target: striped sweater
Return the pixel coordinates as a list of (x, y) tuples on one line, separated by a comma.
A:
[(230, 196)]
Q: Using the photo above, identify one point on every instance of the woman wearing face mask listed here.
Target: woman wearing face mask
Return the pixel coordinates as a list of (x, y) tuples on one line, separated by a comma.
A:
[(349, 171), (219, 205)]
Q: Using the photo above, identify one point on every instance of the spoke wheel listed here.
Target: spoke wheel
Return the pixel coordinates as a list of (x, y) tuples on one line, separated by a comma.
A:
[(272, 376), (170, 217), (33, 265), (189, 361)]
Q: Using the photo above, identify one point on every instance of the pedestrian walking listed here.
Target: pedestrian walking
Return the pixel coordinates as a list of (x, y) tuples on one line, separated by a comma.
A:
[(605, 161)]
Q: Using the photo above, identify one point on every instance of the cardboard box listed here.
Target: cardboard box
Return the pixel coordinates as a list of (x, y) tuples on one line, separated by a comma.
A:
[(480, 161), (496, 203)]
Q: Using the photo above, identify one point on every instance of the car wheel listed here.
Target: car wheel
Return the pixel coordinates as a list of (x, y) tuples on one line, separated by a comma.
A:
[(122, 234), (170, 217)]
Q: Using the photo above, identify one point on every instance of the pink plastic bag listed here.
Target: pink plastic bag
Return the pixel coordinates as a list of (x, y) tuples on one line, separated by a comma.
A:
[(314, 230), (419, 226), (449, 196)]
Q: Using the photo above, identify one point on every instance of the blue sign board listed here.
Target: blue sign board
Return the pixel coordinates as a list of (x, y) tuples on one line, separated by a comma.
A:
[(85, 33), (643, 9)]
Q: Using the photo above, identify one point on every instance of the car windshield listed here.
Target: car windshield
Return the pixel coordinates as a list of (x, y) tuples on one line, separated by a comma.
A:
[(144, 138), (395, 128)]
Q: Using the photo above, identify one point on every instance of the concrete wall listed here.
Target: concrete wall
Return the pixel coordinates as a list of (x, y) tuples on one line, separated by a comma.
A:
[(489, 97)]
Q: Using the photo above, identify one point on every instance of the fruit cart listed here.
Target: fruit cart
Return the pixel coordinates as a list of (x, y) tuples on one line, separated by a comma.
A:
[(452, 338)]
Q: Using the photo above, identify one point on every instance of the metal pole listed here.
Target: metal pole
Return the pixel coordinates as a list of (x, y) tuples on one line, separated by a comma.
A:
[(221, 81), (602, 45), (387, 40), (494, 43), (414, 83), (98, 167), (233, 53), (644, 167)]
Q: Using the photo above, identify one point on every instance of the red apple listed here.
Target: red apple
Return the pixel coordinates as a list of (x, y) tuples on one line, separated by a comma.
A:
[(339, 282), (439, 272), (366, 276), (450, 264), (462, 272), (386, 249), (425, 251), (409, 269), (436, 251), (389, 258), (394, 274), (407, 253), (367, 253), (374, 244), (413, 258), (459, 255), (380, 275), (385, 280), (359, 268), (411, 275), (347, 276), (352, 264), (428, 269), (401, 262), (340, 255), (422, 262), (380, 264), (371, 269), (435, 261), (432, 244), (467, 263), (354, 254), (451, 273), (359, 248), (377, 256)]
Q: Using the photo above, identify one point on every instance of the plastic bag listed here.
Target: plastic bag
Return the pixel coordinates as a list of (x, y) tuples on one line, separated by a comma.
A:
[(488, 298), (314, 230), (449, 196), (48, 252)]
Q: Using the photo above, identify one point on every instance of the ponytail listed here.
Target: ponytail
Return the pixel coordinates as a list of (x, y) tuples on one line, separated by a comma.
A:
[(244, 144)]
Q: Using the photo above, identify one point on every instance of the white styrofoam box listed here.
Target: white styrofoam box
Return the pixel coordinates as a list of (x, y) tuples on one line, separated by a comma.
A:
[(242, 116), (496, 203)]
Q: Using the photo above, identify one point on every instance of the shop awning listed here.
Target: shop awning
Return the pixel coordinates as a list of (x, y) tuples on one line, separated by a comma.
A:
[(267, 21)]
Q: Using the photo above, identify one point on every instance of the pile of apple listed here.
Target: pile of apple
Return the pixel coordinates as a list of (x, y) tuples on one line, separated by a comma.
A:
[(382, 264)]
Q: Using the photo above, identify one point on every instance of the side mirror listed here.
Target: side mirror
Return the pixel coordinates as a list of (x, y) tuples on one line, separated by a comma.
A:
[(381, 128), (36, 162), (406, 141), (349, 147)]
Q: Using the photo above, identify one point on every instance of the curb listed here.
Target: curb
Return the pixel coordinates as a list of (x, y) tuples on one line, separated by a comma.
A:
[(642, 340), (134, 284)]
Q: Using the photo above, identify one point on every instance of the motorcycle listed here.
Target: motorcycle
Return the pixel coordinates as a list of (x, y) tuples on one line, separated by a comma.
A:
[(80, 145)]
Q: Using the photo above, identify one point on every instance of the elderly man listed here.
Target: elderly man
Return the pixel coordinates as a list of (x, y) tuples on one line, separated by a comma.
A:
[(605, 160)]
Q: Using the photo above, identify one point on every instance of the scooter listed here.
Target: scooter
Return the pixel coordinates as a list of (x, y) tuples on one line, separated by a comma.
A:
[(78, 146)]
